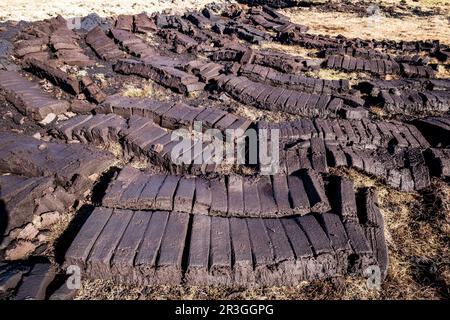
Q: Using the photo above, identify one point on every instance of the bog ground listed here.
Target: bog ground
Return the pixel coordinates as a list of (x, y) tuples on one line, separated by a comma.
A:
[(354, 97)]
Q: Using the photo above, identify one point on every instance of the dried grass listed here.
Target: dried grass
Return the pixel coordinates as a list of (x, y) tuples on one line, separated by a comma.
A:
[(57, 230), (146, 89), (443, 72), (131, 91), (374, 27), (290, 49), (256, 114)]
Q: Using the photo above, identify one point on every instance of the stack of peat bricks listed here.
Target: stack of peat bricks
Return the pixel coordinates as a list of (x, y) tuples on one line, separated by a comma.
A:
[(76, 145)]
